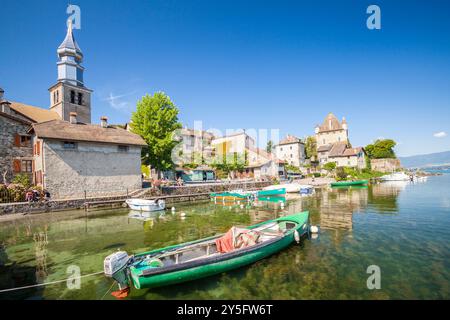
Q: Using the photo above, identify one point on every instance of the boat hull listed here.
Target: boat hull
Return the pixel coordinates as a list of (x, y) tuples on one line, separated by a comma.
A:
[(145, 205), (222, 263)]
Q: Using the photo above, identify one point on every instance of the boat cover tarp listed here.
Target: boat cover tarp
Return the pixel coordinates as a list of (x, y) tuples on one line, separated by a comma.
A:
[(236, 238)]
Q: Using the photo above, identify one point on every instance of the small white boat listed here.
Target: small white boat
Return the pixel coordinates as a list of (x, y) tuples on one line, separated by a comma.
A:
[(397, 176), (290, 187), (146, 205)]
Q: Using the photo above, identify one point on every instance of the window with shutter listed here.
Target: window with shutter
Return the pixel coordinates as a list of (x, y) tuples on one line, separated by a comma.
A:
[(17, 166), (17, 140), (38, 147)]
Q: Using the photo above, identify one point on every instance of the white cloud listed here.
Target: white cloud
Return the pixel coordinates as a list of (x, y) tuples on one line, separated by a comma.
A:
[(117, 102), (441, 134)]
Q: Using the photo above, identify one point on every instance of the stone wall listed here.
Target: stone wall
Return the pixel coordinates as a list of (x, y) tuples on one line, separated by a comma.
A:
[(385, 165), (211, 187), (96, 168), (8, 150)]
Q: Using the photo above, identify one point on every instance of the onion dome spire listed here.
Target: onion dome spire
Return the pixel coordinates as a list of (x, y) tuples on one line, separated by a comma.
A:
[(69, 47)]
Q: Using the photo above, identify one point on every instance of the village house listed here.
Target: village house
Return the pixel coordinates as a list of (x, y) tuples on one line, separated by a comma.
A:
[(291, 150), (333, 144), (59, 148), (195, 145)]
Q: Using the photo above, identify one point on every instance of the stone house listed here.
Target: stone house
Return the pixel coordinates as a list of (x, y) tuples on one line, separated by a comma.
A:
[(333, 144), (71, 158), (292, 150)]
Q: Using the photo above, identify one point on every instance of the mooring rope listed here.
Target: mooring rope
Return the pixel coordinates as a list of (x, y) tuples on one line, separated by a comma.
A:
[(51, 282)]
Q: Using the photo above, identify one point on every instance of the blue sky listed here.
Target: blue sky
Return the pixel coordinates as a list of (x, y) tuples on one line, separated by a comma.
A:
[(248, 64)]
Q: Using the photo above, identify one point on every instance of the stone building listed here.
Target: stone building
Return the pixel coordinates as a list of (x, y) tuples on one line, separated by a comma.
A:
[(71, 158), (291, 150), (333, 144), (385, 165), (16, 155)]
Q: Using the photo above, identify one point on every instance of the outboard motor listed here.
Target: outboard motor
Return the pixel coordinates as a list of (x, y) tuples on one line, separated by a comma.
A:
[(115, 266)]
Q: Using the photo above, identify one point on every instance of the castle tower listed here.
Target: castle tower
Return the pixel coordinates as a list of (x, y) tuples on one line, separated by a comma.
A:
[(69, 94)]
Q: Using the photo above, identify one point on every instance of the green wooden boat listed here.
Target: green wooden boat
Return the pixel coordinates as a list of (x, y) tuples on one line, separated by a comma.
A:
[(199, 259), (272, 192), (349, 183), (231, 196)]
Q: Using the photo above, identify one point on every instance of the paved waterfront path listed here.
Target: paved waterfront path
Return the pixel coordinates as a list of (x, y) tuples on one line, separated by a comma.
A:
[(316, 182)]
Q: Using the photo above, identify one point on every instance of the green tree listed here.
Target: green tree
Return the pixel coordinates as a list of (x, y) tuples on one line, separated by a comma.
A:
[(381, 149), (311, 147), (155, 120), (330, 166), (269, 146)]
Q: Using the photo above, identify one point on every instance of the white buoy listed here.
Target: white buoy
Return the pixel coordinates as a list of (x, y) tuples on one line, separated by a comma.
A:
[(314, 229), (296, 236), (314, 236), (182, 214), (242, 206), (173, 209)]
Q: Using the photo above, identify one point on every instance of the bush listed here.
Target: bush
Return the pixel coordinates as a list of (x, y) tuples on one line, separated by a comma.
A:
[(22, 179), (317, 175), (330, 166), (16, 192), (341, 174)]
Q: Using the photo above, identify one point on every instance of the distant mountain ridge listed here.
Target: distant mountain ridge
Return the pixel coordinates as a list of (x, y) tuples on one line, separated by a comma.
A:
[(426, 160)]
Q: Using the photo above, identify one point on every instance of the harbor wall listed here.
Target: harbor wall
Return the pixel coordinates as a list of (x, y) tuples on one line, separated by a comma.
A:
[(169, 194)]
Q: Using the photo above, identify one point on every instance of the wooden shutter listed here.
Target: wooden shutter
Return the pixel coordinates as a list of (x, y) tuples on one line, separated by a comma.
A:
[(17, 165), (38, 147), (17, 140)]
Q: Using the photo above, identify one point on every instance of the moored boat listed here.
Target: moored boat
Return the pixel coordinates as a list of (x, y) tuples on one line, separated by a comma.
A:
[(202, 258), (306, 190), (235, 195), (146, 205), (290, 187), (397, 176), (349, 183)]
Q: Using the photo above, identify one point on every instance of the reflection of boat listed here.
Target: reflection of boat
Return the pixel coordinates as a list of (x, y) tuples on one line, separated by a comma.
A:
[(349, 183), (146, 205), (351, 187), (142, 215), (290, 187), (272, 192), (397, 176), (231, 195), (206, 257), (272, 199), (306, 190)]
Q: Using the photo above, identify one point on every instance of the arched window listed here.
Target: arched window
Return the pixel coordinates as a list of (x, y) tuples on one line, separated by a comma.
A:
[(80, 98), (72, 96)]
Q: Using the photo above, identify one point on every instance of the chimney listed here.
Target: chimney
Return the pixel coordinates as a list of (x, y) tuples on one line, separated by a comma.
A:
[(73, 118), (4, 104), (104, 122)]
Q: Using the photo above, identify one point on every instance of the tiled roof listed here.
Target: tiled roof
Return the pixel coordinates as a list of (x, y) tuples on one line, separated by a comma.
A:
[(64, 130), (289, 139), (35, 114), (324, 148), (331, 123), (338, 149)]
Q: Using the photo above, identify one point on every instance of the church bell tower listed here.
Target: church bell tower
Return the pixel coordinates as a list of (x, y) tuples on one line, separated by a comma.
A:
[(69, 94)]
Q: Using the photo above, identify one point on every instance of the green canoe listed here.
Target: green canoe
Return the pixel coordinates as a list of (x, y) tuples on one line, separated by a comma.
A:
[(272, 192), (349, 183), (199, 259)]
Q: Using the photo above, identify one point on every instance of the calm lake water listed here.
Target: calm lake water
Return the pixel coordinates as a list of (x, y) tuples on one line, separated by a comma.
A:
[(403, 228)]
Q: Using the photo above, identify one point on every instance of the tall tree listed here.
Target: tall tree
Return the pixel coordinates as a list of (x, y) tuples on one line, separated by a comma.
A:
[(311, 147), (155, 120), (269, 146), (381, 149)]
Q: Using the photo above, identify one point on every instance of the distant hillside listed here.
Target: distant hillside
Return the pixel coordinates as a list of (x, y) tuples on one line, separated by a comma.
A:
[(426, 160)]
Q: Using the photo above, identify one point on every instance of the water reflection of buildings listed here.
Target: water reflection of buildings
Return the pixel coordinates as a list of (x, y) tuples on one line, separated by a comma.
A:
[(383, 196), (40, 247), (337, 207)]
